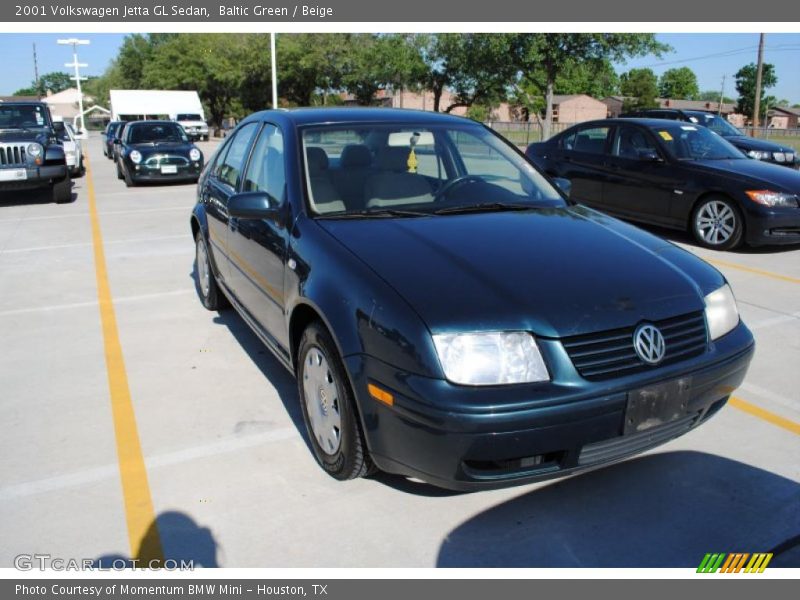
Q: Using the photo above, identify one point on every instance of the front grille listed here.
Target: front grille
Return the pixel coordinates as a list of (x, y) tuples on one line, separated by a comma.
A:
[(160, 161), (610, 353), (12, 155), (625, 445)]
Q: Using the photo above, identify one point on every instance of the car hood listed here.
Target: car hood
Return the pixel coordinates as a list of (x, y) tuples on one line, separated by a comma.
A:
[(18, 135), (743, 141), (755, 172), (162, 147), (556, 272)]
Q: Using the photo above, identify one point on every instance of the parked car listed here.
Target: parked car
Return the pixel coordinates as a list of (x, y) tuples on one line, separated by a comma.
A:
[(112, 132), (675, 175), (779, 154), (447, 312), (156, 151), (31, 153), (73, 148), (194, 126)]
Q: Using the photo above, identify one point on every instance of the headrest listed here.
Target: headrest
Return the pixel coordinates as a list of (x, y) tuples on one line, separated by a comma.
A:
[(317, 159), (393, 158), (355, 156)]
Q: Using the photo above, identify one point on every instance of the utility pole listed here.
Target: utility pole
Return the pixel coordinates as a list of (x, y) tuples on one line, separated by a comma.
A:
[(36, 73), (759, 70), (74, 42), (721, 96)]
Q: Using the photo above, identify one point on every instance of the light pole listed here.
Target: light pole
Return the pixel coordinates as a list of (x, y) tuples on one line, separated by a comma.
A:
[(75, 42), (274, 60)]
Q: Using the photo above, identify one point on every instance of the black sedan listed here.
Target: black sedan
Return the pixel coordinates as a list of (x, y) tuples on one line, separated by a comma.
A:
[(156, 151), (447, 312), (758, 149), (677, 175)]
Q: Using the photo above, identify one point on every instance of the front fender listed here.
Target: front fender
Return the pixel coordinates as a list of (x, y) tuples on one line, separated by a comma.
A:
[(364, 313), (54, 155)]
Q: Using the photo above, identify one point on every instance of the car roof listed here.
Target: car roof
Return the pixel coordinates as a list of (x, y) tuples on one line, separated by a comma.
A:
[(319, 116), (151, 122), (646, 121), (22, 103)]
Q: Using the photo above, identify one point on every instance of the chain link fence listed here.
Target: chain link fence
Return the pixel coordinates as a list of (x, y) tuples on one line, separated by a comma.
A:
[(524, 133)]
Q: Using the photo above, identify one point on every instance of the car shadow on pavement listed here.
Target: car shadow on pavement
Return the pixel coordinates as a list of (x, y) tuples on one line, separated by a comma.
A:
[(181, 542), (660, 510), (35, 196)]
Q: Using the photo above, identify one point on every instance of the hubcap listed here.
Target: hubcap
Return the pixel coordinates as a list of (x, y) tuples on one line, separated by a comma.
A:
[(322, 401), (715, 222), (203, 270)]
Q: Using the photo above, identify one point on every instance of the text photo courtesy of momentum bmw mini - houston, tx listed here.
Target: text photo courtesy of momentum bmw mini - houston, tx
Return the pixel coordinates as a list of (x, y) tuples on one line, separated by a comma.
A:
[(400, 300)]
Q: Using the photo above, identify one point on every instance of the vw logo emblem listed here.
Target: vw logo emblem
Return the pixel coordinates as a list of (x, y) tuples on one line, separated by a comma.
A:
[(649, 344)]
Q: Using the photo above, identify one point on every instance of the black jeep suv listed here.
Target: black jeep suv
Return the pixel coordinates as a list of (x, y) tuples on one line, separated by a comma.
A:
[(753, 147), (31, 155)]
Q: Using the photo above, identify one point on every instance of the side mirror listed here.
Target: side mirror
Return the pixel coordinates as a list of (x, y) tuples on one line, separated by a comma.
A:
[(565, 185), (253, 205), (117, 140), (649, 155), (58, 127)]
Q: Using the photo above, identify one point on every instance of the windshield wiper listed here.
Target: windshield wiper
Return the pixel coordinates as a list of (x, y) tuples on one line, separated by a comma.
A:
[(376, 214), (483, 207)]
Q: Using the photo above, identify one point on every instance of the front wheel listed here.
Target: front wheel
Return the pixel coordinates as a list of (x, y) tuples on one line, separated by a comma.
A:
[(329, 407), (62, 191), (717, 224)]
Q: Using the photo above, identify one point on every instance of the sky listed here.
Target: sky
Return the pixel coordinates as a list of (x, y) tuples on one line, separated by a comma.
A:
[(709, 55)]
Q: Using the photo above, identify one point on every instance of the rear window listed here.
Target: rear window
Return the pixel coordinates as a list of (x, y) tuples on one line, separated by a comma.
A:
[(189, 117)]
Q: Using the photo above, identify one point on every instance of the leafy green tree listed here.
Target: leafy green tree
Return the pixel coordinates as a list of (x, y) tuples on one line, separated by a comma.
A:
[(544, 56), (54, 82), (713, 96), (680, 84), (641, 86), (746, 87), (309, 66)]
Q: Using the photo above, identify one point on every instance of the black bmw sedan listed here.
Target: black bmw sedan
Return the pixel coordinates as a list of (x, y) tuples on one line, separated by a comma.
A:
[(448, 314), (677, 175), (156, 151)]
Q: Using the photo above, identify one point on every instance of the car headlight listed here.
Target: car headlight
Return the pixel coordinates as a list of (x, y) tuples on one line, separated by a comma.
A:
[(135, 156), (492, 358), (770, 198), (758, 155), (779, 156), (34, 150), (194, 154), (722, 314)]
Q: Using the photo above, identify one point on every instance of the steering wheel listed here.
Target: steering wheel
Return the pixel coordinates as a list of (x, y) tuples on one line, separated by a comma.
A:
[(454, 183)]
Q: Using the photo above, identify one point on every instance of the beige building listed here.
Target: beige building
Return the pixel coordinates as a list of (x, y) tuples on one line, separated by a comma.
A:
[(577, 108), (65, 103)]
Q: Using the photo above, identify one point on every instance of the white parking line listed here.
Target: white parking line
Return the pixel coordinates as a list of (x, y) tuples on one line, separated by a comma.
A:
[(771, 396), (88, 244), (91, 303), (105, 472), (185, 207), (772, 321)]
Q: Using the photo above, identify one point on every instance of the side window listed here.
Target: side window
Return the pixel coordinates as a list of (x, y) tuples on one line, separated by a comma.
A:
[(633, 143), (228, 168), (591, 140), (568, 141), (266, 171)]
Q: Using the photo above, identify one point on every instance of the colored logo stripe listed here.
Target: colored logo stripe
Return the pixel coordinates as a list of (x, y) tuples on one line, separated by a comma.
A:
[(734, 562)]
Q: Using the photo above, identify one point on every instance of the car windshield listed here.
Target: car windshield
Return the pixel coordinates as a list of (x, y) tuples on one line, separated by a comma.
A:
[(189, 117), (716, 124), (417, 170), (22, 117), (152, 133), (692, 142)]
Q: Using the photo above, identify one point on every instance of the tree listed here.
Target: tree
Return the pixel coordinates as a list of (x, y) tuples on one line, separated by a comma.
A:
[(680, 84), (642, 86), (544, 56), (713, 96), (309, 64), (54, 82), (746, 86)]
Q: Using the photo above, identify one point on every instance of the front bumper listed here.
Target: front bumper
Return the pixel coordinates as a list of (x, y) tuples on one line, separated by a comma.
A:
[(35, 177), (773, 226), (188, 172), (474, 438)]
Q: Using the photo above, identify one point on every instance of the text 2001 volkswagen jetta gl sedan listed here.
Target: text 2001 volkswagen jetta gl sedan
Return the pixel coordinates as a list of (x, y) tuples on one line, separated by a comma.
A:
[(448, 314)]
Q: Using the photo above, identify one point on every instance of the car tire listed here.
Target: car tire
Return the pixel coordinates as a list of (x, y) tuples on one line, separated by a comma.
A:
[(119, 172), (129, 181), (62, 191), (328, 406), (717, 224), (206, 282)]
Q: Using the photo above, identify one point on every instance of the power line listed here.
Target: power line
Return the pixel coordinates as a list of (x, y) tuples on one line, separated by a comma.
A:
[(725, 54)]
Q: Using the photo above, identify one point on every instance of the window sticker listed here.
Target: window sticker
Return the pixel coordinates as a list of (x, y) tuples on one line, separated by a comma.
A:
[(665, 136), (688, 128)]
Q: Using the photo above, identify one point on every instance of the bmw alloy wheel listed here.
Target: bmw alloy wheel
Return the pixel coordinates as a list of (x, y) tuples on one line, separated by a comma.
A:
[(717, 224)]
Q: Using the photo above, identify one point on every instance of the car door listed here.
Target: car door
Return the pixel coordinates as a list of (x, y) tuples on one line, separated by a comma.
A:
[(217, 188), (258, 247), (580, 157), (639, 181)]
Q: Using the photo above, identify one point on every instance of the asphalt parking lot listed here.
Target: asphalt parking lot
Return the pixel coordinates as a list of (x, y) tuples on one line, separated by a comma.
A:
[(125, 402)]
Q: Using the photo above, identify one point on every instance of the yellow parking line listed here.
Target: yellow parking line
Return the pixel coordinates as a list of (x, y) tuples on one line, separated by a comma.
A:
[(764, 414), (143, 535), (771, 275)]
